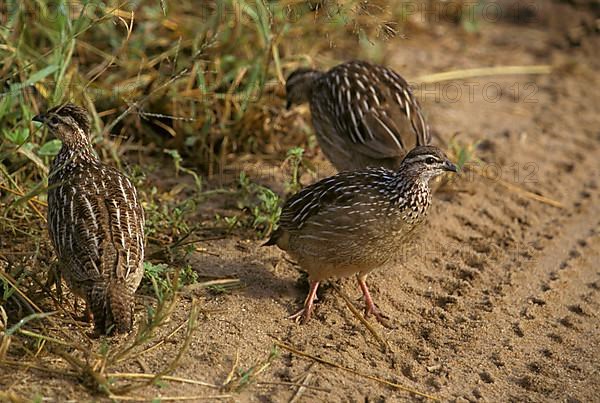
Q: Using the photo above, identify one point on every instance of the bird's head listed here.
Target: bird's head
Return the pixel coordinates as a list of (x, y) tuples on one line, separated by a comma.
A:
[(427, 162), (69, 123), (299, 84)]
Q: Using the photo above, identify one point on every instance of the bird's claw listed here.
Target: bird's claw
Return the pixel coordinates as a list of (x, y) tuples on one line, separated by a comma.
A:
[(380, 316), (302, 316)]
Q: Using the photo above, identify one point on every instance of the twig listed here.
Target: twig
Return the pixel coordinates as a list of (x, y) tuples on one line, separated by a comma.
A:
[(167, 398), (39, 368), (136, 104), (251, 374), (162, 313), (482, 72), (83, 367), (357, 373), (519, 190), (224, 282), (8, 278), (191, 326), (165, 377), (19, 193), (303, 384), (164, 339), (233, 367), (42, 337), (302, 388), (384, 343)]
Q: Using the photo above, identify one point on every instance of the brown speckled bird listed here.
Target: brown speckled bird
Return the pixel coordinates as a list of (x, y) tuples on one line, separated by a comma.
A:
[(364, 115), (354, 222), (95, 221)]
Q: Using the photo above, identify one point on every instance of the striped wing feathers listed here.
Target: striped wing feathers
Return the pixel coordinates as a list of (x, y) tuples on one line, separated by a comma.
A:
[(374, 107), (97, 223)]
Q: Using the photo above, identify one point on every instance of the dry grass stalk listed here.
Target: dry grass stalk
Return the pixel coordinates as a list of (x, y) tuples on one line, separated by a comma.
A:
[(164, 378), (357, 373), (87, 364), (384, 343), (516, 189), (126, 398), (483, 72)]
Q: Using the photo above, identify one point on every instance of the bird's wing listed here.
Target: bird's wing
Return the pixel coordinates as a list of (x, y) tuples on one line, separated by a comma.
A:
[(110, 223), (338, 194), (125, 229), (376, 111), (78, 232)]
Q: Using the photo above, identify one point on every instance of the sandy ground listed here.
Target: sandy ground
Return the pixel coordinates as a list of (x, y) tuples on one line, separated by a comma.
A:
[(499, 301)]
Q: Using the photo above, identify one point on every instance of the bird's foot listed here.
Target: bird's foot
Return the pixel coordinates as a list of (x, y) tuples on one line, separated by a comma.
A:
[(302, 316), (382, 318)]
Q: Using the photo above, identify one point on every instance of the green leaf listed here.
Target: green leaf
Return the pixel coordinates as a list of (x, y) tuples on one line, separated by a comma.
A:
[(51, 148), (35, 77), (296, 152), (17, 136)]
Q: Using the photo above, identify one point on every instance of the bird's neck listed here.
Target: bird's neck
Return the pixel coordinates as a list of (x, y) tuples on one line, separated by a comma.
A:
[(69, 156), (310, 82), (420, 195), (414, 196)]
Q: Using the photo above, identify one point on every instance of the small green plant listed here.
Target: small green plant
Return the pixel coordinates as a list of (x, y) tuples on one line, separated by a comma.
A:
[(262, 203), (157, 277), (7, 289), (167, 217), (248, 376), (297, 164), (188, 275), (470, 17), (294, 159), (231, 222), (266, 212), (463, 153), (217, 289), (177, 159)]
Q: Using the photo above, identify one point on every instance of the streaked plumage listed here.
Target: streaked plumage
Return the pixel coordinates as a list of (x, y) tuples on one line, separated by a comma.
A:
[(95, 221), (364, 115), (356, 221)]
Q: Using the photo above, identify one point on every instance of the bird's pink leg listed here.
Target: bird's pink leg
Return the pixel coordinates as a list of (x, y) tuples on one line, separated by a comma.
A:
[(304, 314), (370, 307)]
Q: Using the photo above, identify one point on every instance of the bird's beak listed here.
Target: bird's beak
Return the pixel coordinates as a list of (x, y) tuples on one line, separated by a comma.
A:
[(448, 166), (39, 118), (288, 105)]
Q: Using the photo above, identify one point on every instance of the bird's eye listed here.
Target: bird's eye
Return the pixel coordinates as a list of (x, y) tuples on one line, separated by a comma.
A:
[(53, 120), (430, 160)]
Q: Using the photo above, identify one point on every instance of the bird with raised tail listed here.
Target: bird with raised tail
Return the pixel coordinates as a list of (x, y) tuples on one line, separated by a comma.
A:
[(364, 115), (356, 221), (95, 222)]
